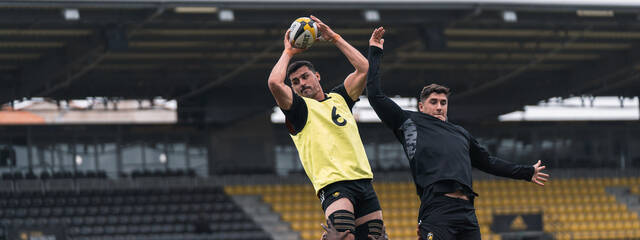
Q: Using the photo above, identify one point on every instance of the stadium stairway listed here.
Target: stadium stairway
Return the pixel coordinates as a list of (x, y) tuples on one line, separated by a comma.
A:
[(262, 215), (629, 196), (635, 190)]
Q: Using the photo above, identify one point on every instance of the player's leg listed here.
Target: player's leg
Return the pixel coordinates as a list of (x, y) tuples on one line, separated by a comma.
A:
[(368, 213), (370, 224), (338, 209), (469, 228), (470, 235), (440, 217), (340, 213)]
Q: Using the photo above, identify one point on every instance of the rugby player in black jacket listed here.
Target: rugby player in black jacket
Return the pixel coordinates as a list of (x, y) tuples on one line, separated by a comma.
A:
[(441, 155)]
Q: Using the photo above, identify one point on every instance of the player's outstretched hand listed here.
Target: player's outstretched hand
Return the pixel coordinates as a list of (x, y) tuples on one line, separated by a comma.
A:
[(376, 39), (538, 176), (331, 233), (325, 33), (288, 48)]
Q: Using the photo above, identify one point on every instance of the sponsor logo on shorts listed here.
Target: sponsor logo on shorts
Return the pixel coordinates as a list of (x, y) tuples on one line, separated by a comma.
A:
[(429, 236)]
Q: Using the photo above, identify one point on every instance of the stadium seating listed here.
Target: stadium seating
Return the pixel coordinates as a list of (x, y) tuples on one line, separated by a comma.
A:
[(45, 175), (163, 173), (574, 208), (137, 213)]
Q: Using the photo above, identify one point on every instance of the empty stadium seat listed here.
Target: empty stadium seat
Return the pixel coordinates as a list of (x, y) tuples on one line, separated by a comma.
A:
[(576, 208), (100, 214)]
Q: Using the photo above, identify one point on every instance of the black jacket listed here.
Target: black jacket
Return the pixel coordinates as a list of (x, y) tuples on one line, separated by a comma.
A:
[(438, 151)]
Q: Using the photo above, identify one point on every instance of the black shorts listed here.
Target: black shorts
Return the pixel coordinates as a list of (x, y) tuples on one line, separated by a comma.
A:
[(447, 218), (359, 192)]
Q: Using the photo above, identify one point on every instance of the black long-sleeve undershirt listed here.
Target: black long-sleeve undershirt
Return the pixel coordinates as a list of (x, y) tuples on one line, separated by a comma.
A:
[(388, 111)]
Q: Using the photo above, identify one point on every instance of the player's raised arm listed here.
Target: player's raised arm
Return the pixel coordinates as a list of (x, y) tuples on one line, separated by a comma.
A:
[(388, 111), (355, 82), (280, 91)]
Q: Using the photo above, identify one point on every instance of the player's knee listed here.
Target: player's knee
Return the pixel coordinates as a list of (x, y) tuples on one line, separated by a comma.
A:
[(371, 227), (343, 220)]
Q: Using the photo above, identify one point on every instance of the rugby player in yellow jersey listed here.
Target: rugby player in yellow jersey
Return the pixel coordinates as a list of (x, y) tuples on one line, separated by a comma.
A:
[(326, 135)]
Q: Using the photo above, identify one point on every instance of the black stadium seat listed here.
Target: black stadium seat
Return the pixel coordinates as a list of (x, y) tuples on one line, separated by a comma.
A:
[(79, 174), (91, 174), (115, 214), (58, 175), (30, 175), (18, 176), (44, 175)]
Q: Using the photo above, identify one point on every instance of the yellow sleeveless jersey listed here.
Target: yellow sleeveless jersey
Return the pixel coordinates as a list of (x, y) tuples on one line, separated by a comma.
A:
[(329, 145)]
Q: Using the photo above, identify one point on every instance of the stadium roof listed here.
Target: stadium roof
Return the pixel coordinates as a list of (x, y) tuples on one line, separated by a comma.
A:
[(494, 63)]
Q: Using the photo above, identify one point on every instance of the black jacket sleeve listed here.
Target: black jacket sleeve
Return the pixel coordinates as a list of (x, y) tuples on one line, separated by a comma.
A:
[(481, 159), (388, 111)]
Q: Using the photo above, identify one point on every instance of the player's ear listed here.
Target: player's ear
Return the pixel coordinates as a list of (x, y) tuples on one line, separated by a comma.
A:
[(317, 75)]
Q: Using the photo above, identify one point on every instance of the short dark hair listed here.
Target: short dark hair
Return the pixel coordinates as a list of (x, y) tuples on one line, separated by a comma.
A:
[(433, 88), (298, 64)]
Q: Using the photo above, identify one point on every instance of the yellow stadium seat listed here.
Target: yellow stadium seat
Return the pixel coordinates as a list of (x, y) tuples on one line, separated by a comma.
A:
[(574, 208)]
